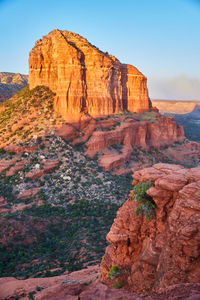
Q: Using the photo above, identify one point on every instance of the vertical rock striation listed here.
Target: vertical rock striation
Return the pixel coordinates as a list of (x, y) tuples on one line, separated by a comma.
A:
[(84, 78)]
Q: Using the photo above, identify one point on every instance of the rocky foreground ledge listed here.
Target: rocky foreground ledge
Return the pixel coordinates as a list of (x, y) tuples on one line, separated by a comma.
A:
[(76, 286), (154, 251), (155, 240)]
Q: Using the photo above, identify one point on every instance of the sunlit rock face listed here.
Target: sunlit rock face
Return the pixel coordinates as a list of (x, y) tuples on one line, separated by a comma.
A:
[(84, 78)]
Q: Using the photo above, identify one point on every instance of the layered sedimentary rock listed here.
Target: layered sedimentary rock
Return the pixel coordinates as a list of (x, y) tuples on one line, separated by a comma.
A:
[(84, 78), (125, 132), (163, 251)]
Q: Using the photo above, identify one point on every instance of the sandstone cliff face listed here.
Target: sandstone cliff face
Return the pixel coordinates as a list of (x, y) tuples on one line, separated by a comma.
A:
[(84, 78), (165, 250)]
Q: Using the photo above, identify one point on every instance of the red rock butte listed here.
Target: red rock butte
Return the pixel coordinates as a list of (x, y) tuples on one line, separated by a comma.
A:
[(164, 250), (84, 78)]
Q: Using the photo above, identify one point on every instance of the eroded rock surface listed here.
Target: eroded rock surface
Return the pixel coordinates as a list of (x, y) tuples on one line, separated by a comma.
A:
[(84, 78), (164, 250), (62, 287)]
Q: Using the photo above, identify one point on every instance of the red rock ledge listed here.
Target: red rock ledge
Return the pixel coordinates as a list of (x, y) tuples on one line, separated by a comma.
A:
[(165, 250)]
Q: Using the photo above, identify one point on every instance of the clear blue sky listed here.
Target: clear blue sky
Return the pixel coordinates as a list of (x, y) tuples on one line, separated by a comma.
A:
[(160, 37)]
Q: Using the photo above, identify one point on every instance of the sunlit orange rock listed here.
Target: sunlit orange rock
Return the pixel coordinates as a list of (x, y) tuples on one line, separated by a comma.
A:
[(84, 78)]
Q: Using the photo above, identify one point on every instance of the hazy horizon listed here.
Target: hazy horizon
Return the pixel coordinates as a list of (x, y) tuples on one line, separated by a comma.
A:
[(157, 37)]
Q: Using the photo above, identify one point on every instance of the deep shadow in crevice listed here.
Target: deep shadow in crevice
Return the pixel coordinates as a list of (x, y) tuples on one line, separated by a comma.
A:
[(124, 80)]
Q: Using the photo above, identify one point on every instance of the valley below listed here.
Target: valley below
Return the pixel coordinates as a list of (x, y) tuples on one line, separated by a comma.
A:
[(99, 191)]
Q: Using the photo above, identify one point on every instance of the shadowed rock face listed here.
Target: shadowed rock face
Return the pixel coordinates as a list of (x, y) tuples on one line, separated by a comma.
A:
[(165, 250), (84, 78)]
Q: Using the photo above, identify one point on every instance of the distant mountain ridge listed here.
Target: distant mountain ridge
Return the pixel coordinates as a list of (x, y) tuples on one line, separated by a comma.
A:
[(175, 106), (190, 121), (11, 83)]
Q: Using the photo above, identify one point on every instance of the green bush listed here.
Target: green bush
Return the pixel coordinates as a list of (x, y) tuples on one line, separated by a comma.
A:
[(31, 295), (113, 272), (2, 151), (39, 288), (118, 284), (139, 191), (146, 205)]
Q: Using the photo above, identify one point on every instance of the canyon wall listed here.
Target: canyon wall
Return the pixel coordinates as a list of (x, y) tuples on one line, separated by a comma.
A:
[(162, 249), (84, 78)]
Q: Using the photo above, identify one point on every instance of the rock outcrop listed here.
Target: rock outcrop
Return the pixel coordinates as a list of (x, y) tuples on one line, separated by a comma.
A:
[(73, 286), (115, 139), (11, 83), (163, 251), (84, 78)]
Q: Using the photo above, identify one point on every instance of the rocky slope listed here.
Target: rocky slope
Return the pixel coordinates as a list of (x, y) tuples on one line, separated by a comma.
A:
[(84, 78), (155, 236), (11, 83)]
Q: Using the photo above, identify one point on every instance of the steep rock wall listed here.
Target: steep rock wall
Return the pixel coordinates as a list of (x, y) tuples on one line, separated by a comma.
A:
[(84, 78), (163, 251)]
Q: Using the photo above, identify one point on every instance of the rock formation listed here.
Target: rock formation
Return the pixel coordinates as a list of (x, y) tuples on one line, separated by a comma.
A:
[(114, 140), (84, 78), (73, 286), (163, 251), (11, 83)]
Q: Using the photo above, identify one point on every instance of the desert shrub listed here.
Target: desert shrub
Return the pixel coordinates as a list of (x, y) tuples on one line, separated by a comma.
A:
[(31, 295), (113, 272), (2, 151), (146, 205), (139, 191), (118, 284), (149, 116), (39, 288)]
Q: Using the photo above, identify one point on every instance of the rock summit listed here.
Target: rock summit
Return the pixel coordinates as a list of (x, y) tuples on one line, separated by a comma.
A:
[(84, 78)]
